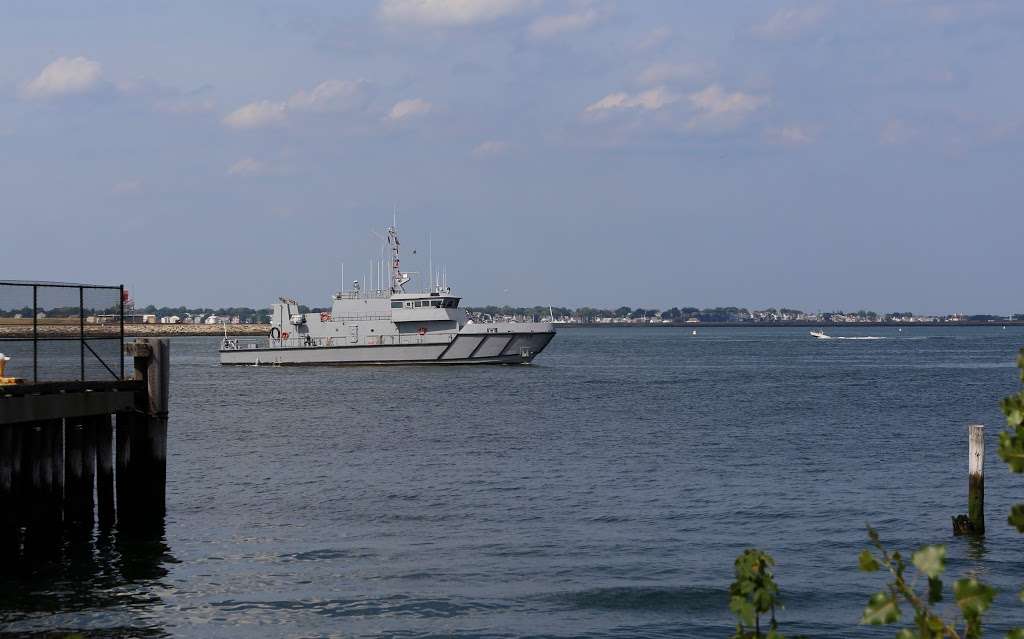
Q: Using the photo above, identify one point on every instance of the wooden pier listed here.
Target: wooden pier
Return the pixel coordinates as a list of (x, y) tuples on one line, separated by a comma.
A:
[(79, 454)]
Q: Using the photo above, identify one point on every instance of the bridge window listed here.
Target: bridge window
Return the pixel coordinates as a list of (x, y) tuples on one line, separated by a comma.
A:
[(396, 305), (435, 303)]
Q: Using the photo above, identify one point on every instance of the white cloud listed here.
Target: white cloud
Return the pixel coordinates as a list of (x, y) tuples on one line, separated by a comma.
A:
[(792, 135), (257, 114), (709, 110), (650, 100), (789, 23), (327, 97), (441, 13), (409, 108), (714, 108), (551, 26), (64, 76), (247, 166), (664, 72), (332, 95), (491, 148)]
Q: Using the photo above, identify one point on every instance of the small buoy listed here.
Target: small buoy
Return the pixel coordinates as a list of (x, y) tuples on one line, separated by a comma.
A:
[(694, 333), (900, 330)]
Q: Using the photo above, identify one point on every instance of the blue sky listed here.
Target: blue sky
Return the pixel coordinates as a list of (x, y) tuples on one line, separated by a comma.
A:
[(817, 155)]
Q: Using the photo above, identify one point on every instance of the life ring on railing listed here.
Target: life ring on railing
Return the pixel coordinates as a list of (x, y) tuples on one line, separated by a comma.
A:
[(421, 331), (275, 333), (284, 335)]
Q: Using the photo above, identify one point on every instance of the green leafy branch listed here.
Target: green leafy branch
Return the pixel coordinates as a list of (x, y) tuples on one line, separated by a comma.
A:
[(754, 593), (1011, 442), (972, 597)]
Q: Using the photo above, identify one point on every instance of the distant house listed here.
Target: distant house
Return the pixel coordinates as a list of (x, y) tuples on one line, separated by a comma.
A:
[(212, 319)]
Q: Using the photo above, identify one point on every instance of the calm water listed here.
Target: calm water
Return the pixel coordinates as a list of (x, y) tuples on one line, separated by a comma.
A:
[(604, 491)]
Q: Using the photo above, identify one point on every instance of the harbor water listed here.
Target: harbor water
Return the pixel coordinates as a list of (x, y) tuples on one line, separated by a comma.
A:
[(603, 491)]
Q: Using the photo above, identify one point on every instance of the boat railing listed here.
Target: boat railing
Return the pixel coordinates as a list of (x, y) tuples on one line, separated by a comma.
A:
[(304, 341), (362, 295), (354, 317), (236, 344)]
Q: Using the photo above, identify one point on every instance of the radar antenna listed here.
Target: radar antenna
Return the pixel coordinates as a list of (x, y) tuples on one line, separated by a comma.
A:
[(398, 278)]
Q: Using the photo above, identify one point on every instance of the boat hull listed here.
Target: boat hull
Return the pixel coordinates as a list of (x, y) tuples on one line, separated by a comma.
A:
[(506, 347)]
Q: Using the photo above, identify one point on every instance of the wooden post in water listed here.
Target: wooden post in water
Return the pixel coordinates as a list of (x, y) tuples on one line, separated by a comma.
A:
[(79, 472), (158, 378), (40, 458), (8, 501), (123, 430), (16, 515), (142, 440), (974, 522), (976, 479), (104, 469)]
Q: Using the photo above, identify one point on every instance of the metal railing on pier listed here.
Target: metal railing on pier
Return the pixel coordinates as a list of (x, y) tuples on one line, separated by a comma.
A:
[(56, 331)]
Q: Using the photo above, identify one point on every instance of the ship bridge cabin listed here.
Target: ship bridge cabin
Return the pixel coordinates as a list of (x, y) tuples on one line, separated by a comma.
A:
[(436, 311)]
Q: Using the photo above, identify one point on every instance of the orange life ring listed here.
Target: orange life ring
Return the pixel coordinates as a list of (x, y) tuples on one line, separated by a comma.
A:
[(284, 335), (422, 331)]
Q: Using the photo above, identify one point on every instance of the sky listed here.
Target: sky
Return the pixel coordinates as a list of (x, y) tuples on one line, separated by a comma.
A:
[(814, 155)]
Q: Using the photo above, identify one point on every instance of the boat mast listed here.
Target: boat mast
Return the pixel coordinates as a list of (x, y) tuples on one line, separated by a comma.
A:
[(398, 278)]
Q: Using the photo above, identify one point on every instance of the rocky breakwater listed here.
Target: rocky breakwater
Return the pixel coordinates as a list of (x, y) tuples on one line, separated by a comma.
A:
[(138, 330)]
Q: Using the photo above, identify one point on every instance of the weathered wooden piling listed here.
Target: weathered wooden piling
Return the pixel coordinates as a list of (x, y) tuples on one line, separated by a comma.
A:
[(976, 479), (9, 454), (79, 472), (142, 439), (104, 431), (974, 522), (40, 493)]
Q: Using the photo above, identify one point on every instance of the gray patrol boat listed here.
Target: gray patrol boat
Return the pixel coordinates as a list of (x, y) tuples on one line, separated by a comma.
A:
[(388, 326)]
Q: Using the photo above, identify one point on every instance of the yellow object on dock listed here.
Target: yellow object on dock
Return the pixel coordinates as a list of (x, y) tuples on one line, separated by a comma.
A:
[(5, 381)]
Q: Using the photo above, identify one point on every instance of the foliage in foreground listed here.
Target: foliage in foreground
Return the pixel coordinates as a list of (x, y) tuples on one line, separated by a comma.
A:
[(971, 596), (755, 592)]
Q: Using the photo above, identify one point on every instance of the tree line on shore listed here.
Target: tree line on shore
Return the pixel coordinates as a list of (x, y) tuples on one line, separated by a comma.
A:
[(716, 314), (583, 314)]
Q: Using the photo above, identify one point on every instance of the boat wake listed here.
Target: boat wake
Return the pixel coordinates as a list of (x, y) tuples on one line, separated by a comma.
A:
[(822, 335)]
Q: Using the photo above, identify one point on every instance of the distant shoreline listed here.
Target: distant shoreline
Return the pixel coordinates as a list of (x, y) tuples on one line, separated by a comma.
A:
[(139, 330), (794, 324), (262, 330)]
